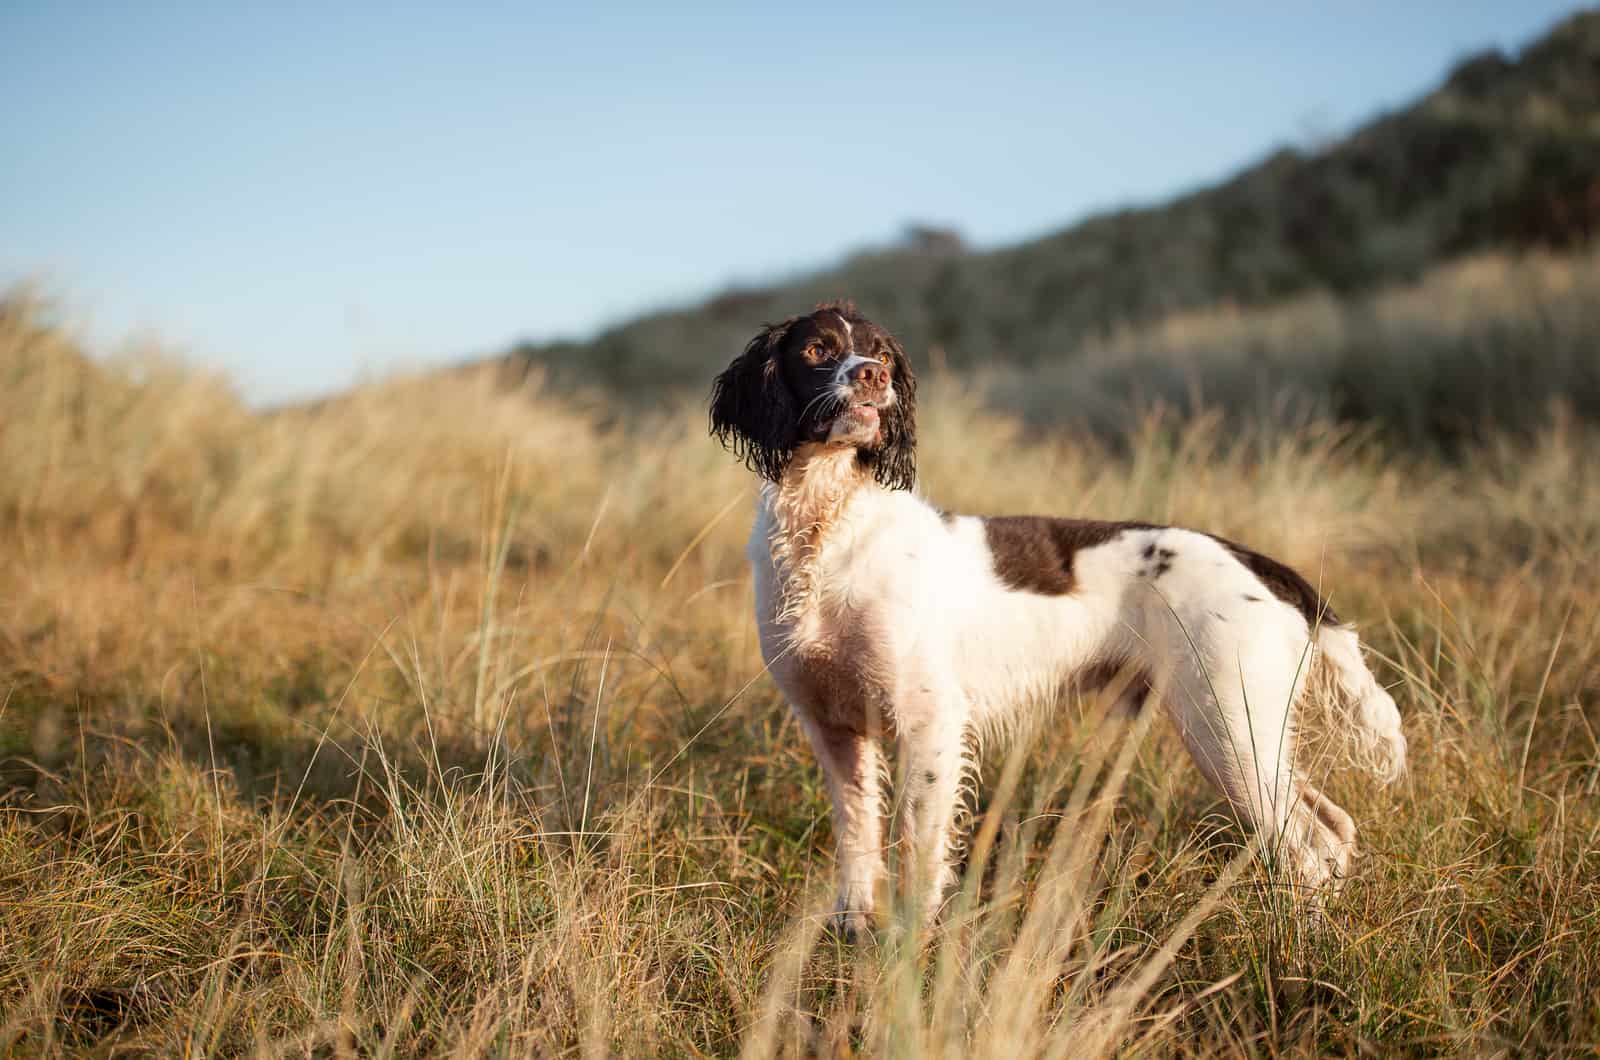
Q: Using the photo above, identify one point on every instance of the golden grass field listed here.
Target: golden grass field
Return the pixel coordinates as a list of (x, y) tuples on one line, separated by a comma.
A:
[(431, 721)]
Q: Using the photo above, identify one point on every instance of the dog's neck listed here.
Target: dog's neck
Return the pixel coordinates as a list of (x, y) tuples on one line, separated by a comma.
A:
[(806, 505)]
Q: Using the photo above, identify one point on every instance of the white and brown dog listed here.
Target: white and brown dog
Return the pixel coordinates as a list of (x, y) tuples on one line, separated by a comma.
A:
[(882, 617)]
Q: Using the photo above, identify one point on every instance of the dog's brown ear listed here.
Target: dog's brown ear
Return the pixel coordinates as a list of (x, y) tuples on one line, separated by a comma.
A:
[(894, 463), (752, 411)]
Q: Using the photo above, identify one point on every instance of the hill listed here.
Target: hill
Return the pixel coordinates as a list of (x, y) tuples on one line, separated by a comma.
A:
[(1504, 155)]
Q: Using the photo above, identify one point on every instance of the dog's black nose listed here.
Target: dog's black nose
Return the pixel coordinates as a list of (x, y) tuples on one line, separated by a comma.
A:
[(870, 374)]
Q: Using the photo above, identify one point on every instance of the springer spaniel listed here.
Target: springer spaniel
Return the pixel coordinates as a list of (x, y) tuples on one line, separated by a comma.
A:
[(883, 617)]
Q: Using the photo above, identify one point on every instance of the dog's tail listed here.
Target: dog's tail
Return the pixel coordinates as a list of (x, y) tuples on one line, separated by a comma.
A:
[(1364, 715)]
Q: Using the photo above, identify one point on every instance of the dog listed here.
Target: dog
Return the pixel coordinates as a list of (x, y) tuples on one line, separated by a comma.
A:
[(883, 618)]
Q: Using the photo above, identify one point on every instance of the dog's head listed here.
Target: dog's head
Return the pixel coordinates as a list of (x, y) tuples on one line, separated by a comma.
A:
[(830, 378)]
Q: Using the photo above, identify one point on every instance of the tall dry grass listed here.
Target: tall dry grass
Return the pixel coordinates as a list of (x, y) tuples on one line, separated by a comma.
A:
[(1470, 351), (431, 721)]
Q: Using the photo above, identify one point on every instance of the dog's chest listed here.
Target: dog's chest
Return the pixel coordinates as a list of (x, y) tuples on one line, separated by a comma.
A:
[(829, 612), (825, 637), (833, 666)]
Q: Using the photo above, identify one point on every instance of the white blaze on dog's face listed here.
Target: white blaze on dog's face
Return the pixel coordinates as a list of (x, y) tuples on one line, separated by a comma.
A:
[(832, 378)]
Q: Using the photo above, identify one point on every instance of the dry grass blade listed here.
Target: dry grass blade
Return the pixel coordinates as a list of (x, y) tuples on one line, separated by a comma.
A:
[(406, 726)]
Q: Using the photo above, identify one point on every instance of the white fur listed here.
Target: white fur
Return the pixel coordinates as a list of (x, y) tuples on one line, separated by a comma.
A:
[(882, 619), (841, 374)]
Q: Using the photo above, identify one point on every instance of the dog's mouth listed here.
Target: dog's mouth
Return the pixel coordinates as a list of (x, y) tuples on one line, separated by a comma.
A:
[(864, 411), (856, 423)]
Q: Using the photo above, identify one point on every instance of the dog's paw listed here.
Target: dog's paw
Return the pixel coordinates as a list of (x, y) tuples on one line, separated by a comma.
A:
[(851, 921)]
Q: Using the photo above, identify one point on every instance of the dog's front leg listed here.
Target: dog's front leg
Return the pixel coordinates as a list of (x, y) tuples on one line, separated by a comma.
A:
[(853, 765), (933, 748)]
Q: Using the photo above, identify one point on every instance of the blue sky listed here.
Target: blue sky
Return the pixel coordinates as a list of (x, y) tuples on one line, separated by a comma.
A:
[(301, 194)]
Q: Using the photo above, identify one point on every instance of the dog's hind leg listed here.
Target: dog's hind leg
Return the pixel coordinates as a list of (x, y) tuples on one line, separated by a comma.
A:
[(1236, 714)]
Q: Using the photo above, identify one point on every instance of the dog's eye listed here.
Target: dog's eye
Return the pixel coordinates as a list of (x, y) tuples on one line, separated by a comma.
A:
[(815, 352), (883, 356)]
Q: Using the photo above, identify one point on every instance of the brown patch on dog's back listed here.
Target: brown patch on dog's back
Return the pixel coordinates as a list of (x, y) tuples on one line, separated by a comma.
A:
[(1286, 583), (1034, 553)]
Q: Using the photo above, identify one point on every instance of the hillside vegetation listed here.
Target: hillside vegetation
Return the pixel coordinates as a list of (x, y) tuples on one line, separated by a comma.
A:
[(1479, 348), (1503, 157), (431, 721)]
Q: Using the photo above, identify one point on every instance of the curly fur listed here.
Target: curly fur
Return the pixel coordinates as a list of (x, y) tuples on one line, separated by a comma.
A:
[(757, 415)]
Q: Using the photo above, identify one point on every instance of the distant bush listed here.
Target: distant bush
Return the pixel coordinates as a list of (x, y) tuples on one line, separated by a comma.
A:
[(1484, 346)]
